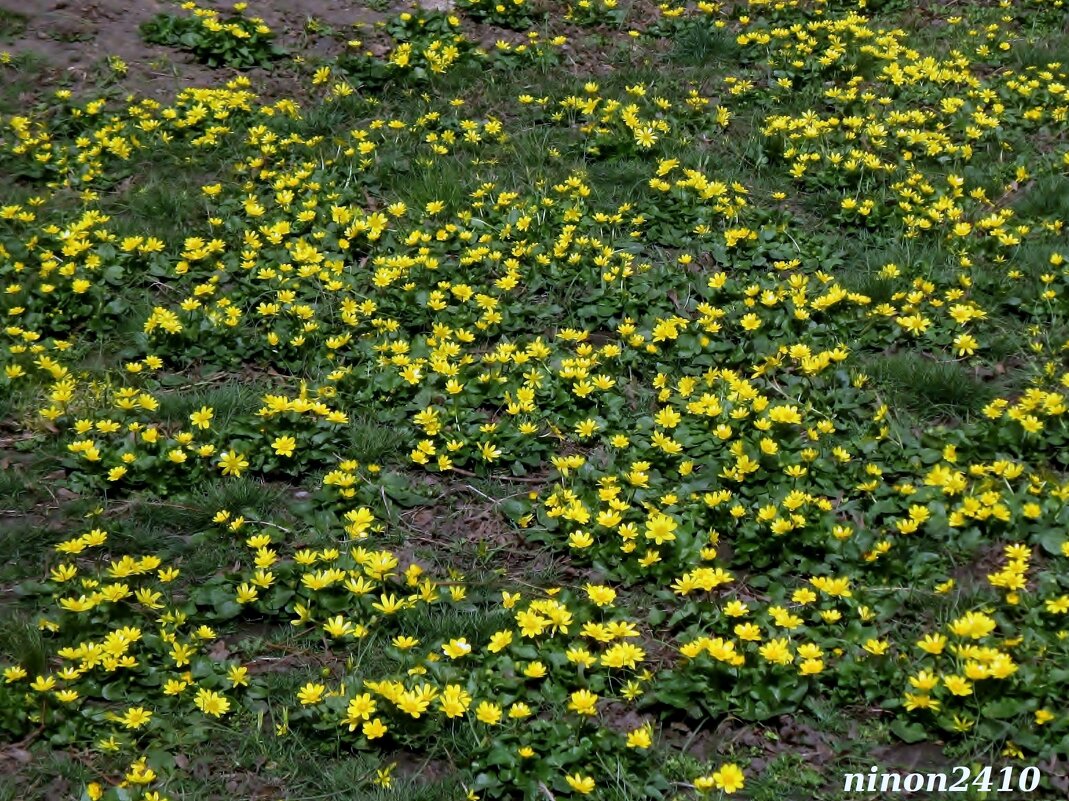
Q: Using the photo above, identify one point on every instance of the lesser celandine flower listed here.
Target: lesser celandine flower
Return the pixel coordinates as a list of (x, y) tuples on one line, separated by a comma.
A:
[(211, 703), (584, 785), (730, 416)]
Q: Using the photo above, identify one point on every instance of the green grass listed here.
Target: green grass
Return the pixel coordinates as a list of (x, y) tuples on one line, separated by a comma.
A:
[(12, 24), (926, 388), (334, 118), (700, 44), (420, 180), (20, 485), (786, 770), (23, 539), (372, 442), (51, 774), (194, 509), (228, 401), (1047, 197), (163, 200), (929, 388), (13, 403), (20, 637), (180, 528), (20, 83)]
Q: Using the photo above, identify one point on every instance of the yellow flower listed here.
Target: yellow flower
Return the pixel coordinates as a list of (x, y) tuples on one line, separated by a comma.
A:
[(584, 785), (389, 604), (233, 464), (284, 446), (584, 702), (140, 773), (338, 627), (958, 685), (736, 608), (640, 737), (202, 418), (623, 654), (973, 625), (645, 137), (499, 641), (488, 713), (600, 595), (454, 700), (238, 676), (660, 528), (811, 667), (311, 693), (919, 701), (211, 703), (246, 594), (965, 344), (455, 649), (777, 651), (135, 717), (729, 778), (373, 729), (932, 643), (360, 708), (580, 539), (534, 670), (750, 322)]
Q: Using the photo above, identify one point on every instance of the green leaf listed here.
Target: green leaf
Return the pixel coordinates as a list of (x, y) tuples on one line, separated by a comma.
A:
[(514, 508), (1002, 709), (227, 609), (113, 691), (1051, 541), (909, 732)]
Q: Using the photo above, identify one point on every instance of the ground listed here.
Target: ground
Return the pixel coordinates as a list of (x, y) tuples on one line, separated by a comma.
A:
[(550, 400), (74, 38)]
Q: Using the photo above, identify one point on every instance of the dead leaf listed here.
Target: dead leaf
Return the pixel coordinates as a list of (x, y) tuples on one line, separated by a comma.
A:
[(219, 652), (20, 755)]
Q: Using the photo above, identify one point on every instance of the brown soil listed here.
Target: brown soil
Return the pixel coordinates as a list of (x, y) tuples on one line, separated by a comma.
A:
[(74, 39)]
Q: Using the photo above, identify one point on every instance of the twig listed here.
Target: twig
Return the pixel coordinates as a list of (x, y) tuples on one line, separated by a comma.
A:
[(546, 792), (693, 735), (4, 442), (283, 529), (524, 479), (215, 379), (29, 738), (385, 503), (122, 506), (1008, 195)]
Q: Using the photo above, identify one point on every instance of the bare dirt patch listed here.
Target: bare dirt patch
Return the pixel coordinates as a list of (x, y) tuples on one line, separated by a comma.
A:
[(74, 39)]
